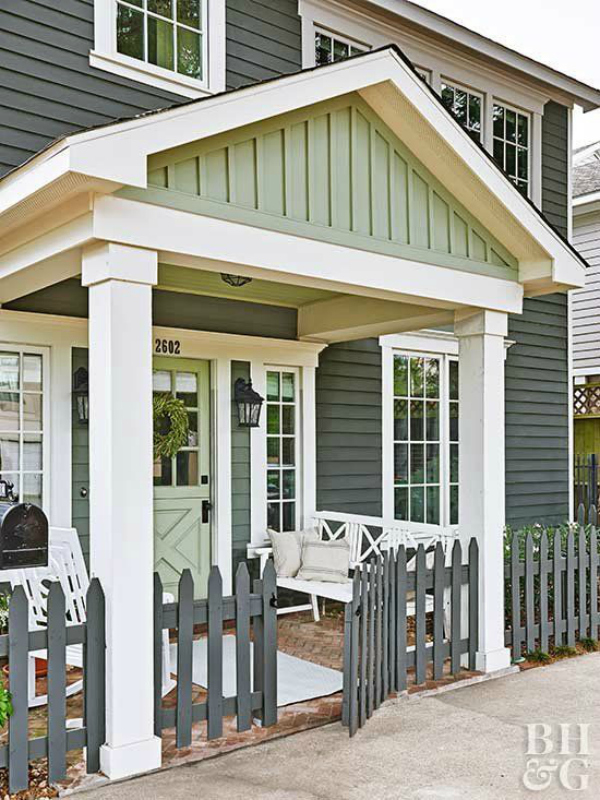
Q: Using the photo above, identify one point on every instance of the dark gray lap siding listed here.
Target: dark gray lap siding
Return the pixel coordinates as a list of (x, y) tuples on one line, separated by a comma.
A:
[(349, 456), (537, 425)]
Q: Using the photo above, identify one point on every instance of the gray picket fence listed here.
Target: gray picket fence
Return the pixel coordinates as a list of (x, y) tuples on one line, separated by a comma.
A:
[(255, 617), (17, 645), (377, 657), (552, 589)]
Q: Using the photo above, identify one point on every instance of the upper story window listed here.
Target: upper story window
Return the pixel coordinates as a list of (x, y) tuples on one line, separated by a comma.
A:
[(466, 107), (166, 33), (424, 73), (331, 47), (512, 144), (175, 45)]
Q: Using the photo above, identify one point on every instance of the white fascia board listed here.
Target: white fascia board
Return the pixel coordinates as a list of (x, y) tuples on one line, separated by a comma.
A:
[(587, 96), (31, 177), (293, 259)]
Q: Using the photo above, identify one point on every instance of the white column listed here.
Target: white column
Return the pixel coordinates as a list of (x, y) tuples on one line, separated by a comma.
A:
[(120, 281), (481, 430)]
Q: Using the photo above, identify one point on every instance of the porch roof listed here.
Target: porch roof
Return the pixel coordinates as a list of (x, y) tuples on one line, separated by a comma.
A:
[(72, 177)]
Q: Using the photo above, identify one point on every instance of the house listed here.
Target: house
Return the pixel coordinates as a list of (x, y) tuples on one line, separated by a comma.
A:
[(585, 327), (361, 207)]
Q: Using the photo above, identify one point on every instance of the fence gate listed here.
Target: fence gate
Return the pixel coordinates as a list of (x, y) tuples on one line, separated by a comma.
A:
[(378, 658), (255, 617)]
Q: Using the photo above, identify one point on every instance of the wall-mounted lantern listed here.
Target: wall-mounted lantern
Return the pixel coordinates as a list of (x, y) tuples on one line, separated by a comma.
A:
[(249, 404), (82, 394)]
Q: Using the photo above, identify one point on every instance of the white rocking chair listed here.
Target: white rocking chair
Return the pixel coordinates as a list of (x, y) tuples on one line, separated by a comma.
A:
[(66, 564)]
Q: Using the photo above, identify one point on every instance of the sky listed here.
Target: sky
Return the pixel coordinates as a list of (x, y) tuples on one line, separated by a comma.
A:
[(564, 34)]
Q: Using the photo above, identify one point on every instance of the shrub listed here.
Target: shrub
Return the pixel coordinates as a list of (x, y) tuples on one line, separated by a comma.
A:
[(4, 600), (538, 656), (591, 645), (6, 708), (564, 651)]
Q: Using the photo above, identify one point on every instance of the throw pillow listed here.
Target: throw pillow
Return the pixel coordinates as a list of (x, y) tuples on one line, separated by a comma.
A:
[(325, 560)]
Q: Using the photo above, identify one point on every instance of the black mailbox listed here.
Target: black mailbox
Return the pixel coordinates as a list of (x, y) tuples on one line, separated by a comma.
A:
[(23, 532)]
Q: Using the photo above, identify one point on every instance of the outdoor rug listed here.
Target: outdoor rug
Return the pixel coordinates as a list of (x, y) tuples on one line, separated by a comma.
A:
[(297, 680)]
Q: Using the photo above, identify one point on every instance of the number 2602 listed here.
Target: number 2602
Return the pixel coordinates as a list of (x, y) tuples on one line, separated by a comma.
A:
[(171, 347)]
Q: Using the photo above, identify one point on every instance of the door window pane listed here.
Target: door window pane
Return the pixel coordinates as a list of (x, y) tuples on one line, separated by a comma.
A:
[(187, 388), (187, 468)]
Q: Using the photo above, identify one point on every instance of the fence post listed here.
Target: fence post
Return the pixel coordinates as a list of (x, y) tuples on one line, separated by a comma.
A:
[(439, 581), (594, 582), (582, 557), (364, 644), (401, 580), (95, 674), (57, 684), (158, 654), (420, 632), (571, 589), (557, 585), (544, 621), (18, 658), (352, 683), (185, 642), (378, 629), (515, 598)]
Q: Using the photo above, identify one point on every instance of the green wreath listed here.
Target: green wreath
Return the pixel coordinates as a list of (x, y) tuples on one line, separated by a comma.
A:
[(171, 425)]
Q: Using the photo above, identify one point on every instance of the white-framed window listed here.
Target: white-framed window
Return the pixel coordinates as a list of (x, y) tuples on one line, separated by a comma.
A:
[(425, 438), (176, 45), (466, 105), (330, 47), (512, 143), (24, 411), (282, 432)]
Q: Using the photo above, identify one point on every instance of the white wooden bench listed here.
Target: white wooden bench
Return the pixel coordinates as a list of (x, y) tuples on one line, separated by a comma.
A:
[(368, 538)]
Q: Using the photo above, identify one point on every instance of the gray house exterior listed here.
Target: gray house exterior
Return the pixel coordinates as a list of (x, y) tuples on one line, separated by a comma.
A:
[(50, 88)]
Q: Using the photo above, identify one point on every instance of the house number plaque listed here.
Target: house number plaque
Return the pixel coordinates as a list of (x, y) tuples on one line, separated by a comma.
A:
[(167, 347)]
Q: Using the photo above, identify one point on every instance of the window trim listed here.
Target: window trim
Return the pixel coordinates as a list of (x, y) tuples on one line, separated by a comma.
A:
[(106, 57), (441, 346), (44, 352)]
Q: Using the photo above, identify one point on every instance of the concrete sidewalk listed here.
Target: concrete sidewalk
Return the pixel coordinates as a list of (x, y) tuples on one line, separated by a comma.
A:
[(468, 744)]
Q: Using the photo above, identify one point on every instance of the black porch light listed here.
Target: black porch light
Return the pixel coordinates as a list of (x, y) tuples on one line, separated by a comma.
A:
[(235, 280), (249, 404), (82, 394)]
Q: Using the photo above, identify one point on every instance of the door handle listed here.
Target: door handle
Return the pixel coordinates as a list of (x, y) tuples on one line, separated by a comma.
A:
[(206, 509)]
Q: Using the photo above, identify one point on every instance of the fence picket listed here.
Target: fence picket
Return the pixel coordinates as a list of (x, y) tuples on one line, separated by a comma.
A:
[(401, 586), (473, 603), (94, 672), (544, 620), (57, 684), (353, 714), (18, 658), (269, 660), (582, 558), (420, 632), (593, 515), (242, 647), (571, 589), (456, 607), (364, 645), (557, 586), (581, 514), (515, 598), (185, 640), (157, 648), (594, 617), (529, 595), (385, 677), (439, 567), (378, 629), (371, 641), (392, 622), (214, 711)]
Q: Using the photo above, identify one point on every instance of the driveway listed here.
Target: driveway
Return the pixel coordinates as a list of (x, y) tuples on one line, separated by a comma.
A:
[(468, 744)]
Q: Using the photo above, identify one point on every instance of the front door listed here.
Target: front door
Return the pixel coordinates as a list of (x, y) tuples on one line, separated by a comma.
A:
[(182, 484)]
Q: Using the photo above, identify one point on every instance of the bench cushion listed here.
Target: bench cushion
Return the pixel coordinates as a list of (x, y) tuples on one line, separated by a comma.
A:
[(332, 591)]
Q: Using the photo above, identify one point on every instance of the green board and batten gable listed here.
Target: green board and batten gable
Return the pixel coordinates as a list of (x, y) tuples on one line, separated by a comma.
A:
[(334, 172)]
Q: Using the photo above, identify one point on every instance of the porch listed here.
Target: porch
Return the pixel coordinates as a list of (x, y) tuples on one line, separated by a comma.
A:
[(279, 232)]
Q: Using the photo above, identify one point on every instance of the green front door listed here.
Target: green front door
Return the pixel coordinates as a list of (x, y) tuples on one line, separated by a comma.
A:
[(182, 484)]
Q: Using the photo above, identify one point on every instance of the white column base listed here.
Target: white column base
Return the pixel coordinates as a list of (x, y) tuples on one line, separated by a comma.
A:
[(130, 759), (493, 661)]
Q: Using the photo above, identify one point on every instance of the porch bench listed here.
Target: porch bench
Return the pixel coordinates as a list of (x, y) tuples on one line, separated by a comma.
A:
[(368, 538)]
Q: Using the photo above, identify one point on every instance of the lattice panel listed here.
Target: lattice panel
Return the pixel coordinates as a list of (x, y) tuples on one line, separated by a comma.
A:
[(586, 400)]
